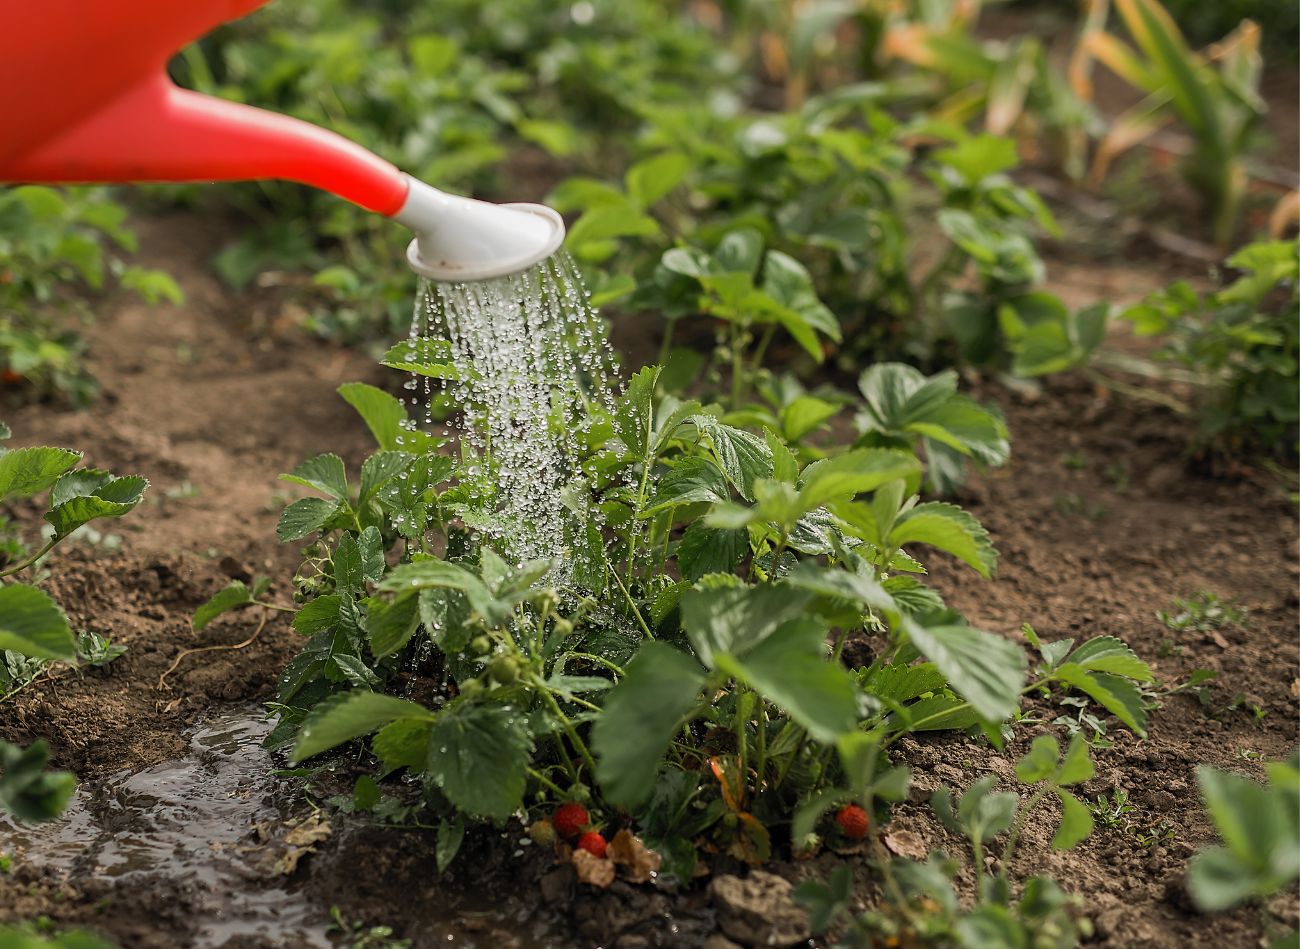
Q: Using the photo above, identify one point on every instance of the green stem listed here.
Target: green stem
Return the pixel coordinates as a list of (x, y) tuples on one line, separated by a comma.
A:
[(570, 731), (761, 764), (763, 342), (10, 571), (601, 661), (665, 347), (546, 782), (1022, 818), (737, 369), (632, 603)]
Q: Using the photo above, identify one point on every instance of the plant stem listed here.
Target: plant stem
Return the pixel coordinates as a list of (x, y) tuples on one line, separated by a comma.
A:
[(763, 342), (546, 782), (10, 571), (569, 730), (1022, 818), (737, 369), (632, 603), (599, 660), (665, 347)]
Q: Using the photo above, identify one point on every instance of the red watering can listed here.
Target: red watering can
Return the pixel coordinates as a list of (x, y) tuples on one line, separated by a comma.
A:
[(86, 98)]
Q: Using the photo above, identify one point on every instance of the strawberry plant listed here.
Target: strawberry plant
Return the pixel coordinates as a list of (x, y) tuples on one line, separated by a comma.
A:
[(53, 246), (688, 682), (1258, 825), (1242, 343), (924, 905), (33, 628)]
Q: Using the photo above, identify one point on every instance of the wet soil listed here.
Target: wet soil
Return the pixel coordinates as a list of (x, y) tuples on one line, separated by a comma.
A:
[(182, 837)]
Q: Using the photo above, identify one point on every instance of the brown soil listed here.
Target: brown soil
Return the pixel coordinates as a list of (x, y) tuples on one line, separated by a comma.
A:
[(215, 395)]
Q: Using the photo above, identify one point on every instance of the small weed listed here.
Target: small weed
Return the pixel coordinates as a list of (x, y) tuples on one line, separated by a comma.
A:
[(359, 936), (95, 650), (1073, 504), (1074, 461), (1117, 474), (1160, 833), (1113, 809), (1246, 754), (1203, 612)]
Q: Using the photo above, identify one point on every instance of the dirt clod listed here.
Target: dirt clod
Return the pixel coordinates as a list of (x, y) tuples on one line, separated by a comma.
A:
[(759, 910)]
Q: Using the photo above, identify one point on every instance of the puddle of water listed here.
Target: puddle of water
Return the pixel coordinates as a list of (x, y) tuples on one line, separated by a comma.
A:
[(188, 822)]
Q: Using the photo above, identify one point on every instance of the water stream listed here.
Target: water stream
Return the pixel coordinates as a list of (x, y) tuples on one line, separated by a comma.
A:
[(529, 352)]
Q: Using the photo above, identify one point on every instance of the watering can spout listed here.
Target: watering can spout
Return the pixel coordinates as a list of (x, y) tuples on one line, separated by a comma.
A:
[(121, 119)]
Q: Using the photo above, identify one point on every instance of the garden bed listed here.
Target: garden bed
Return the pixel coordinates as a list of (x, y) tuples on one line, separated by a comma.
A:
[(1099, 518)]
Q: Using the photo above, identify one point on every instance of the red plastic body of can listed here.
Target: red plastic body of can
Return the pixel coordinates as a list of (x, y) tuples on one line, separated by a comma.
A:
[(86, 99)]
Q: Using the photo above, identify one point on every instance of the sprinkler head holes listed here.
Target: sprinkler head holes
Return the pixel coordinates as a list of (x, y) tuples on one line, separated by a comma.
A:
[(458, 240)]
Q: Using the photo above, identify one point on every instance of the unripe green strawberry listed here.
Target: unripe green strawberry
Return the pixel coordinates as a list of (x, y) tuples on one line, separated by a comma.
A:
[(542, 833), (504, 670)]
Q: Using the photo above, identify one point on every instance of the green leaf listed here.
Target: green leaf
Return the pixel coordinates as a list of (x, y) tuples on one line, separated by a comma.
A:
[(479, 755), (304, 517), (425, 356), (985, 814), (381, 468), (403, 744), (1040, 761), (852, 473), (1077, 765), (1108, 654), (1117, 696), (1247, 816), (1076, 822), (324, 473), (84, 496), (652, 178), (27, 790), (451, 834), (384, 416), (28, 471), (736, 620), (391, 624), (634, 414), (351, 715), (232, 596), (32, 624), (641, 716), (859, 587), (694, 479), (791, 669), (318, 615), (986, 670), (1217, 880), (600, 224), (805, 414), (744, 457), (951, 530), (704, 549), (358, 559)]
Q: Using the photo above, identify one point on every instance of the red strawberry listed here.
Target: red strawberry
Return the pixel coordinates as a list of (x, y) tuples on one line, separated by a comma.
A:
[(593, 843), (569, 820), (853, 821)]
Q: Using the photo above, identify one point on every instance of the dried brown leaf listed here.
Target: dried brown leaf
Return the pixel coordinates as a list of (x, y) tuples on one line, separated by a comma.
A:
[(639, 862), (598, 871), (904, 843)]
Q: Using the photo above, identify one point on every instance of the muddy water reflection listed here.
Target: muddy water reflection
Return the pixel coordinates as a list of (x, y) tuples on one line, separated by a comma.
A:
[(186, 826)]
